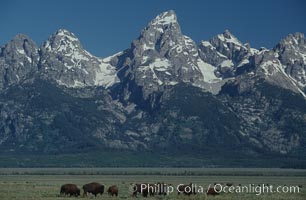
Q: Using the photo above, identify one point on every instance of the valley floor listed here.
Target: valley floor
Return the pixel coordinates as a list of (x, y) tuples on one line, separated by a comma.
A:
[(44, 184)]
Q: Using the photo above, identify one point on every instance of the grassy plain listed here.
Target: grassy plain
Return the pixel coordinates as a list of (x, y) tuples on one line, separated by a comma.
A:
[(44, 183)]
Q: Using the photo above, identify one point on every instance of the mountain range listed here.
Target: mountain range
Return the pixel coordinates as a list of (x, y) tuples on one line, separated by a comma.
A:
[(217, 103)]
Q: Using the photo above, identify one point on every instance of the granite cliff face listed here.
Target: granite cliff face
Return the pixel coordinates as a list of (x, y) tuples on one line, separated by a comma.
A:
[(164, 92), (18, 60)]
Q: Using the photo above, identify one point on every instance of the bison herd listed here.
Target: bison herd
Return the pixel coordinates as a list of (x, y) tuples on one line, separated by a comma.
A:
[(143, 189), (90, 188), (147, 189)]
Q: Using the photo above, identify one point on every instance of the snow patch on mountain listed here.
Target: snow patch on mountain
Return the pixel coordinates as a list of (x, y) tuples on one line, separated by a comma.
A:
[(227, 63), (243, 62), (105, 75), (208, 71)]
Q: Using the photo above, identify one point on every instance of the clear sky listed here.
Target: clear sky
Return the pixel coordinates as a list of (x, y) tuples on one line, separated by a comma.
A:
[(108, 26)]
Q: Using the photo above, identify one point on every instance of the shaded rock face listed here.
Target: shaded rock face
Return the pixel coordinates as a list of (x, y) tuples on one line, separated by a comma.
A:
[(291, 52), (164, 91), (18, 59), (284, 65)]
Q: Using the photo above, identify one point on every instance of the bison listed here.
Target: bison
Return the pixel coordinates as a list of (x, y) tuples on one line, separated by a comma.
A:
[(70, 189), (93, 188), (212, 191), (161, 188), (136, 188), (113, 190), (147, 189)]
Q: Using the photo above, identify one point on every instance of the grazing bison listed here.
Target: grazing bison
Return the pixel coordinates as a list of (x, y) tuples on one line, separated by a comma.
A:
[(70, 189), (212, 191), (161, 189), (113, 190), (151, 189), (136, 189), (147, 189), (93, 188)]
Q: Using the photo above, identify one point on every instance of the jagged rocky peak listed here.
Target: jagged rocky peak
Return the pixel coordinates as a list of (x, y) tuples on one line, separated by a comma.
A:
[(230, 46), (209, 54), (65, 33), (229, 37), (162, 28), (21, 46), (226, 53), (165, 19), (163, 36), (226, 37), (65, 43), (296, 39), (162, 55), (291, 51), (64, 48), (64, 60), (18, 58), (226, 43), (62, 41)]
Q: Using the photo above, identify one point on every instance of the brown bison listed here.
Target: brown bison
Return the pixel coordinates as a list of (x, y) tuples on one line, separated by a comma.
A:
[(70, 189), (113, 190), (143, 188), (161, 188), (136, 188), (93, 188), (212, 191)]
